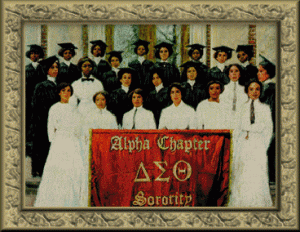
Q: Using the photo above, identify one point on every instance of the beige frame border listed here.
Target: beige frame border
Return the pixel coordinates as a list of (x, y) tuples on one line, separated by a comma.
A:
[(14, 13)]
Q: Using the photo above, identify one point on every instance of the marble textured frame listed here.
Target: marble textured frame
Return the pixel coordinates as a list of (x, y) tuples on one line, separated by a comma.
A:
[(15, 13)]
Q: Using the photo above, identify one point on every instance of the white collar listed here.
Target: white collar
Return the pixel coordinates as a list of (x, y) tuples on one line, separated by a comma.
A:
[(102, 111), (51, 79), (157, 88), (115, 69), (126, 89), (137, 108), (166, 61), (67, 62), (221, 66), (141, 59), (97, 59), (268, 81), (191, 82), (245, 64), (35, 64), (179, 106), (90, 77)]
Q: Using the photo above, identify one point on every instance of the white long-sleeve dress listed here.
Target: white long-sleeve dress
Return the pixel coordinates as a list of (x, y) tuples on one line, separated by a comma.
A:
[(62, 180), (249, 175)]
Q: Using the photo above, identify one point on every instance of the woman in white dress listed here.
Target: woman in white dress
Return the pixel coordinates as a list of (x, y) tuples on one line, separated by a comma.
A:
[(138, 117), (212, 113), (249, 175), (178, 115), (62, 179), (85, 87)]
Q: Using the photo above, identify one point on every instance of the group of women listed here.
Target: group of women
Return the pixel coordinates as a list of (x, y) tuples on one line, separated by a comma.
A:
[(67, 100)]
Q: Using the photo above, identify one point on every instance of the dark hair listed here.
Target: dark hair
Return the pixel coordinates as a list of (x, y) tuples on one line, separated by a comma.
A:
[(229, 54), (242, 72), (84, 59), (158, 49), (118, 56), (271, 70), (63, 85), (184, 73), (190, 53), (249, 53), (104, 93), (62, 50), (178, 86), (103, 49), (159, 72), (146, 49), (252, 81), (214, 82), (137, 91)]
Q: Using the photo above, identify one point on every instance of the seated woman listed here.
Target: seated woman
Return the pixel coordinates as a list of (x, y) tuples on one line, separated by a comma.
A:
[(85, 87), (212, 113), (250, 182), (110, 78), (222, 54), (63, 177), (234, 95), (178, 115), (68, 72), (120, 101), (194, 84), (158, 98), (138, 117)]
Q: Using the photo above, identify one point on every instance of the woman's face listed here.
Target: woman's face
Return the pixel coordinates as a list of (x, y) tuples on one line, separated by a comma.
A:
[(100, 101), (115, 62), (175, 96), (53, 70), (221, 57), (196, 55), (141, 50), (97, 51), (234, 73), (126, 79), (137, 100), (163, 53), (65, 94), (67, 55), (156, 80), (191, 73), (87, 68), (242, 56), (262, 74), (214, 91), (34, 56), (254, 91)]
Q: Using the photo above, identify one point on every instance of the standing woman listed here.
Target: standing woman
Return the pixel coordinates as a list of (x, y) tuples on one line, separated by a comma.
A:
[(212, 113), (141, 65), (244, 54), (266, 74), (110, 78), (61, 184), (43, 98), (98, 50), (85, 87), (178, 115), (194, 84), (68, 72), (170, 71), (138, 117), (250, 181), (234, 95), (222, 54)]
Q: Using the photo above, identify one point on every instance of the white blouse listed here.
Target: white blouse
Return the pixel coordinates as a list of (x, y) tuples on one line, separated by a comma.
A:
[(144, 119), (177, 117)]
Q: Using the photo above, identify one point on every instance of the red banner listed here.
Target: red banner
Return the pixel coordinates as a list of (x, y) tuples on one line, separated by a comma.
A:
[(159, 168)]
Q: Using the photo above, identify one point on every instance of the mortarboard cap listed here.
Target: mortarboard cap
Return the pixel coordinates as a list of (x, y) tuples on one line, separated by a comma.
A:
[(248, 49), (47, 63), (265, 61), (35, 48), (190, 64), (196, 46), (99, 42), (268, 65), (164, 44), (67, 45), (115, 53), (223, 49), (141, 42)]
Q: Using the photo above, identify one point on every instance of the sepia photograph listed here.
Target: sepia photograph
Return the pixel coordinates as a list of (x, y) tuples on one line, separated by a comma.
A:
[(155, 114)]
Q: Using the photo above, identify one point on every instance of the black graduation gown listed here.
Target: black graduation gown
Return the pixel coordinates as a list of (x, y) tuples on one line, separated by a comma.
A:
[(67, 73), (268, 97), (33, 77), (250, 73), (216, 74), (170, 73), (102, 67), (119, 103), (144, 81), (110, 81), (156, 101), (193, 96), (45, 95)]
